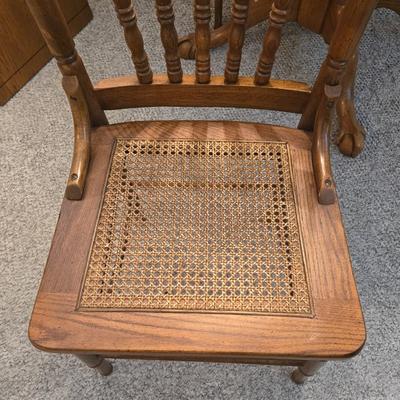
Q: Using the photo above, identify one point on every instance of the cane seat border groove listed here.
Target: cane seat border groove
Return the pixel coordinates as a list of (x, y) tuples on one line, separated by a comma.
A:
[(219, 275)]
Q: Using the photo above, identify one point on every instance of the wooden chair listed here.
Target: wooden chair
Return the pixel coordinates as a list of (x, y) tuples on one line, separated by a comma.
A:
[(200, 240)]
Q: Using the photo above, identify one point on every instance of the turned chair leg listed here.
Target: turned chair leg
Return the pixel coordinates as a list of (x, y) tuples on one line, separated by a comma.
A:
[(308, 369), (351, 134), (94, 361)]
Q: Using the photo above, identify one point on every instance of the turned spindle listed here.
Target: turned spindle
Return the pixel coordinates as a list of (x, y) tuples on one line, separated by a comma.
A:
[(202, 16), (272, 40), (305, 371), (236, 39), (134, 40), (169, 38)]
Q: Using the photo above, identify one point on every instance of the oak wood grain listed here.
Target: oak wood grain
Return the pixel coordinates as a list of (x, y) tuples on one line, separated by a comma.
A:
[(126, 92), (336, 330), (81, 155), (271, 42), (350, 27)]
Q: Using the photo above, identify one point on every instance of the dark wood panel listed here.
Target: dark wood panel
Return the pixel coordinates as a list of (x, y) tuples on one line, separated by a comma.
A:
[(23, 51)]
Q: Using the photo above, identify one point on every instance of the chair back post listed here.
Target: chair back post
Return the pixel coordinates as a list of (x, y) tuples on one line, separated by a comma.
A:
[(56, 34)]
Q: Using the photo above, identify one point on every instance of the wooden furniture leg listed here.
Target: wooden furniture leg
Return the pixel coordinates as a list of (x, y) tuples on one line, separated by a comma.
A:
[(97, 362), (305, 371), (351, 134)]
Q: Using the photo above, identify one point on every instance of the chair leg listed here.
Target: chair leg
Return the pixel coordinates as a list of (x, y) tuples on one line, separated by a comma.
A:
[(94, 361), (351, 134), (308, 369)]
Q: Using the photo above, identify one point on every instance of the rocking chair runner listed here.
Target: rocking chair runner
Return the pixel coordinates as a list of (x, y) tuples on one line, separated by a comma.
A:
[(208, 241)]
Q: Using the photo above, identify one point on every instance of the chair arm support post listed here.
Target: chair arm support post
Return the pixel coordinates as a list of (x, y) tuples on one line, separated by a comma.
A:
[(82, 126), (320, 146)]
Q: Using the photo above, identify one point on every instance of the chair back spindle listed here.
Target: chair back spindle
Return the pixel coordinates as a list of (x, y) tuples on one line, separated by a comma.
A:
[(201, 89), (202, 16), (271, 42), (236, 39), (134, 40), (169, 38)]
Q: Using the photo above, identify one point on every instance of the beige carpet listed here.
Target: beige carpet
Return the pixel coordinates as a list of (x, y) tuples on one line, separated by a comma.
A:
[(35, 147)]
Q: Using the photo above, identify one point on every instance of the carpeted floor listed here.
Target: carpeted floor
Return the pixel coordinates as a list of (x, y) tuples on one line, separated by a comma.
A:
[(36, 143)]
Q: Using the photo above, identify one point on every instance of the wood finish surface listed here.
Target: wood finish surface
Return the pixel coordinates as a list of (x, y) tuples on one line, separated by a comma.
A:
[(81, 157), (202, 16), (272, 40), (347, 35), (351, 136), (218, 9), (335, 331), (169, 38), (303, 372), (125, 92), (236, 39), (97, 362)]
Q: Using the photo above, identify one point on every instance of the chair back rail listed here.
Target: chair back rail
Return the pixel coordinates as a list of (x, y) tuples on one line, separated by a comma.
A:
[(127, 92)]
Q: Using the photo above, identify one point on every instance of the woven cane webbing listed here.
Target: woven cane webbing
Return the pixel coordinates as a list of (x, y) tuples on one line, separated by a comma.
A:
[(198, 226)]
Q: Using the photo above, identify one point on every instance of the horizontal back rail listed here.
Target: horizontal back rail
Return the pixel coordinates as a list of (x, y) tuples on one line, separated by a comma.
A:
[(127, 92)]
